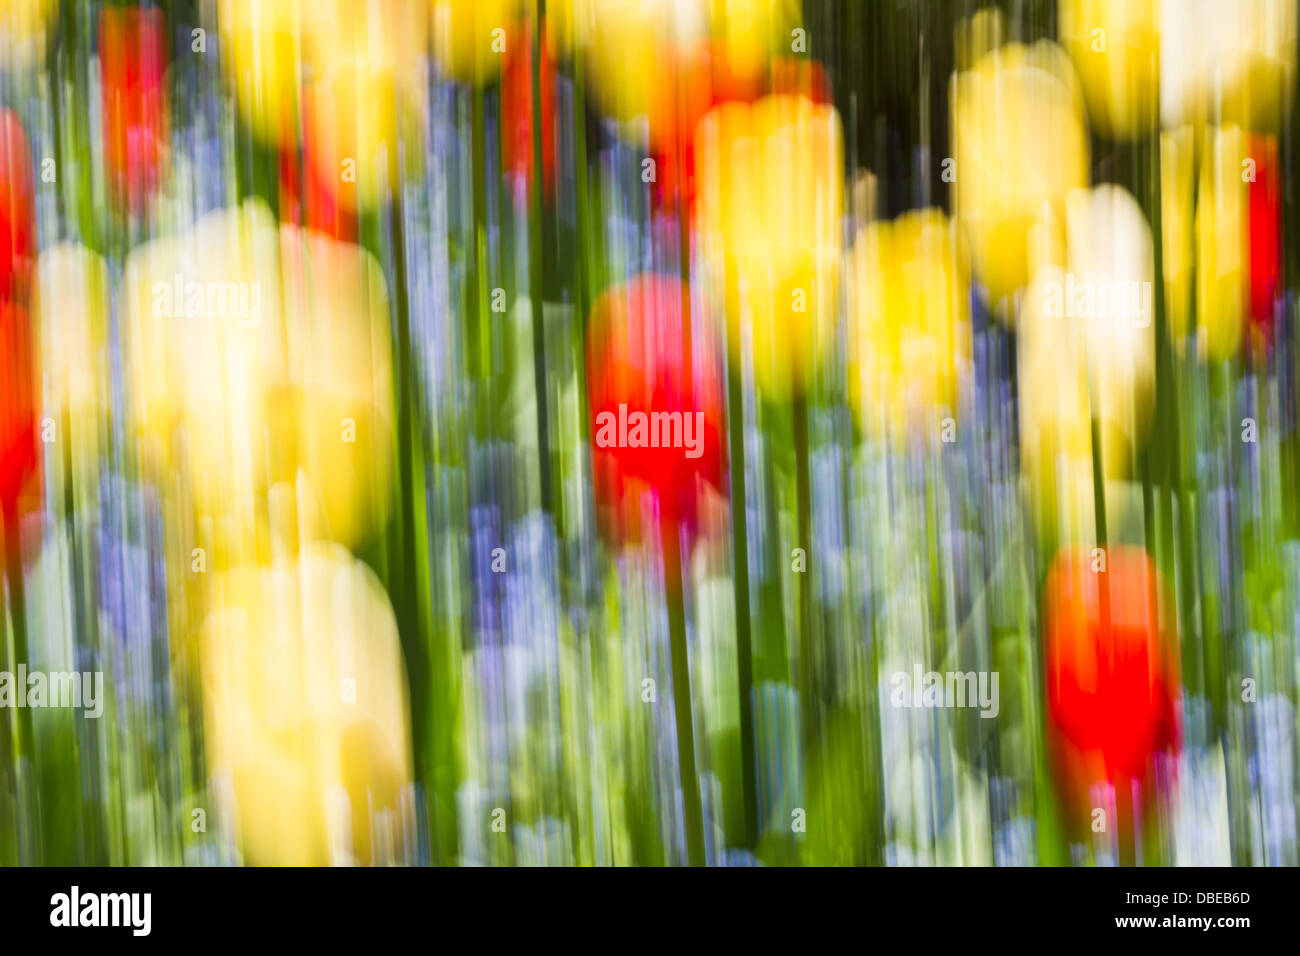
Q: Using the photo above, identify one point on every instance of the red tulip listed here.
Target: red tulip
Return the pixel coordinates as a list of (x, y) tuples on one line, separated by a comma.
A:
[(322, 207), (19, 448), (800, 76), (1264, 205), (1112, 672), (654, 424), (517, 113), (17, 210), (18, 445), (133, 64)]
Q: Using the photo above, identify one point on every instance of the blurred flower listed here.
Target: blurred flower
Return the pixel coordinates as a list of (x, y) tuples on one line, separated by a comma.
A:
[(73, 308), (650, 63), (668, 63), (133, 64), (1220, 202), (465, 42), (22, 31), (1115, 46), (1112, 673), (203, 334), (637, 53), (1227, 63), (1265, 193), (910, 315), (305, 698), (1020, 144), (1087, 350), (1178, 235), (1222, 238), (351, 135), (256, 354), (746, 34), (17, 209), (332, 411), (517, 112), (655, 422), (19, 447), (74, 325), (771, 194), (262, 52)]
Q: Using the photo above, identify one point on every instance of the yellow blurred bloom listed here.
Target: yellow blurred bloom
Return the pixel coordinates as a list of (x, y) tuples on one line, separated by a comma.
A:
[(1087, 350), (471, 38), (1177, 212), (353, 130), (73, 294), (1222, 243), (262, 52), (770, 197), (336, 401), (257, 353), (202, 338), (1020, 144), (22, 31), (306, 709), (1205, 202), (1115, 45), (73, 309), (273, 46), (632, 48), (1227, 63), (911, 317)]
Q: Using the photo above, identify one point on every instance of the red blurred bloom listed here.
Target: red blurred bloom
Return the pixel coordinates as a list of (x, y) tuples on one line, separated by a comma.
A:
[(17, 209), (1112, 672), (517, 113), (321, 206), (673, 145), (800, 76), (637, 375), (19, 448), (133, 65), (1264, 247)]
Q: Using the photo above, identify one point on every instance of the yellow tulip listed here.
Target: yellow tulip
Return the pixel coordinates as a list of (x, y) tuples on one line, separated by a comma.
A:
[(73, 309), (336, 402), (1115, 45), (22, 31), (1227, 63), (203, 335), (262, 52), (770, 197), (748, 34), (1177, 212), (73, 293), (353, 130), (1222, 249), (1087, 350), (634, 51), (911, 318), (471, 38), (305, 702), (1020, 145), (256, 354)]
